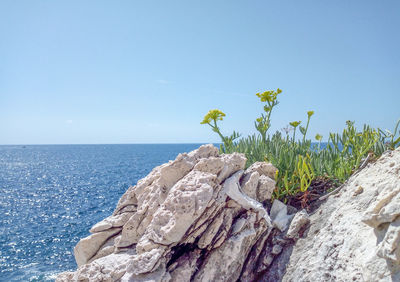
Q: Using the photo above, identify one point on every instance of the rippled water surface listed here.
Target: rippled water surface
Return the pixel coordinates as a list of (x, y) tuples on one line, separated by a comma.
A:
[(50, 195)]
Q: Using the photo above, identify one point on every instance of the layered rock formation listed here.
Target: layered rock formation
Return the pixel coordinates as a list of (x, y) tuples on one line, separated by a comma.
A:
[(187, 220), (355, 235), (202, 217)]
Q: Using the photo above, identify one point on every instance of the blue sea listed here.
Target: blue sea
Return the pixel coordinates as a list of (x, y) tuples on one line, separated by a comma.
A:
[(50, 196)]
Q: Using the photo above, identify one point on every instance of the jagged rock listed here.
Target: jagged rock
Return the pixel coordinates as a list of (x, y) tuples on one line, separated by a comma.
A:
[(355, 235), (225, 263), (279, 215), (179, 222), (266, 186), (263, 168), (277, 249), (88, 247), (108, 268), (299, 221), (151, 192), (185, 266), (252, 266), (250, 183), (111, 221), (258, 181), (201, 218)]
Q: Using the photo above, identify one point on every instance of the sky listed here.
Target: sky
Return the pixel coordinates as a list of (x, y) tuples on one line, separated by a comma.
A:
[(96, 72)]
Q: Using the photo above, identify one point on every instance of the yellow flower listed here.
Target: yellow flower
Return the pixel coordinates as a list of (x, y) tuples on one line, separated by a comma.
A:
[(310, 113), (266, 96), (269, 95), (318, 137), (295, 123), (276, 175), (259, 119), (213, 115)]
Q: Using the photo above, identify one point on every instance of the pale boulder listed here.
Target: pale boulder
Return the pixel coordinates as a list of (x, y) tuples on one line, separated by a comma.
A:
[(194, 202)]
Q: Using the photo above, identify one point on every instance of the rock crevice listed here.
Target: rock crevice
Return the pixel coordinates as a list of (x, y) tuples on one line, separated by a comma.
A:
[(203, 217), (188, 220)]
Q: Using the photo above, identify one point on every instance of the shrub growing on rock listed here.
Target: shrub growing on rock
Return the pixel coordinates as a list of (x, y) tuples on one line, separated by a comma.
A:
[(300, 162)]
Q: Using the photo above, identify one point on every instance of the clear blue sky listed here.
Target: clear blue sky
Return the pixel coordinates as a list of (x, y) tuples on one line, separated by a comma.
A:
[(148, 71)]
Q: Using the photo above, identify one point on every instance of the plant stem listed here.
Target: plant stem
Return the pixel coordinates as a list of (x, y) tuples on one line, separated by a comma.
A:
[(304, 136), (216, 129)]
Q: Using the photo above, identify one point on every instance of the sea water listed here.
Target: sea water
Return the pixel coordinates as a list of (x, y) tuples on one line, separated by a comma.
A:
[(50, 196)]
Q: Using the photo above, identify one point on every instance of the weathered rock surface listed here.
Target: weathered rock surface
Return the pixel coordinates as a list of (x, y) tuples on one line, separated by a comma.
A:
[(355, 235), (188, 220), (201, 218)]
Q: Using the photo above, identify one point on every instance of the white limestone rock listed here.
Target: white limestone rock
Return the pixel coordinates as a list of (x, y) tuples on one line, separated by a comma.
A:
[(88, 247), (184, 268), (193, 202), (200, 218), (279, 215), (210, 232), (300, 220), (108, 268), (258, 181), (263, 168), (232, 189), (354, 236), (225, 263), (111, 221), (106, 249), (265, 188), (250, 183), (184, 204), (232, 163)]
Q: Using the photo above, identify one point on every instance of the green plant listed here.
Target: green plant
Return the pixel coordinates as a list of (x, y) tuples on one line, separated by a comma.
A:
[(304, 130), (349, 148), (297, 181), (305, 172), (392, 141), (211, 118), (294, 124), (318, 137), (300, 162), (263, 123)]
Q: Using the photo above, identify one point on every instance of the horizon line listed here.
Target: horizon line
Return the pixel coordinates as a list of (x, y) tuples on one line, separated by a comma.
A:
[(161, 143)]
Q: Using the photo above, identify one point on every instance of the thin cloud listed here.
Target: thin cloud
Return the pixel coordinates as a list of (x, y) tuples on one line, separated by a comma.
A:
[(68, 121)]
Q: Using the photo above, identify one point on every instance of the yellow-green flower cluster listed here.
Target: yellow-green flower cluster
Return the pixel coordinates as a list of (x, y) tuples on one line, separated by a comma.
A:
[(213, 115), (295, 123), (318, 137), (310, 113), (269, 96)]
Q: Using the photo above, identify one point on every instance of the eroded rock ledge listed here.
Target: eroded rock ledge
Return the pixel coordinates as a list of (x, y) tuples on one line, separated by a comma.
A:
[(355, 235), (194, 218), (202, 217)]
